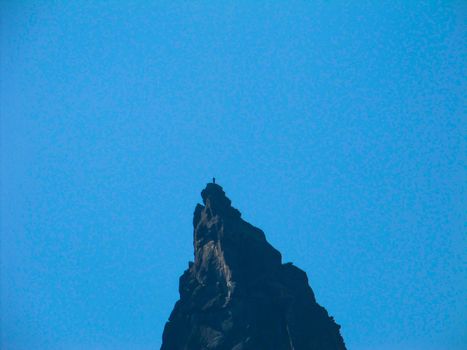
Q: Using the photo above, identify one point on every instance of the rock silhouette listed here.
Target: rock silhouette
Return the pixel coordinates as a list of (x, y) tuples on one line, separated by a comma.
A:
[(237, 294)]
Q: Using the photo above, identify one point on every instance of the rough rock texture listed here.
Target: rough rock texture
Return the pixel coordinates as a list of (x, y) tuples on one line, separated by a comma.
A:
[(238, 295)]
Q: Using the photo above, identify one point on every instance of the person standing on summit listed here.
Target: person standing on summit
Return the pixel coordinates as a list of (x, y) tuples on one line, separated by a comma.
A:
[(213, 180)]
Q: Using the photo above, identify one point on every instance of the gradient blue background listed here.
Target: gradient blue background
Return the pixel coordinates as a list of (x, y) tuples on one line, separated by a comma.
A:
[(337, 127)]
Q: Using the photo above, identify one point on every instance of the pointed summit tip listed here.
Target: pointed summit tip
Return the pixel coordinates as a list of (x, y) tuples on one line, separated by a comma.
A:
[(214, 197), (213, 190)]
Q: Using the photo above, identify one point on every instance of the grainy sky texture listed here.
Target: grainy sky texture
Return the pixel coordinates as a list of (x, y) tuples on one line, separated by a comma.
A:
[(337, 127)]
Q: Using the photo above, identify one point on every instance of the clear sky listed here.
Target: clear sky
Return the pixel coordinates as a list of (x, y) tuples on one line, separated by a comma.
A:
[(337, 127)]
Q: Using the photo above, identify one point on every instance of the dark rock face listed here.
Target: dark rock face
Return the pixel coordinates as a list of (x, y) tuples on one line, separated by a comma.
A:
[(237, 294)]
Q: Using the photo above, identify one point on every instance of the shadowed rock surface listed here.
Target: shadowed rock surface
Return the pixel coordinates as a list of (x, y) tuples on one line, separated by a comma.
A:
[(238, 295)]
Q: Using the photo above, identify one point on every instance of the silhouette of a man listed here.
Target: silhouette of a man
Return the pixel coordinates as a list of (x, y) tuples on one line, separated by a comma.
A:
[(213, 180)]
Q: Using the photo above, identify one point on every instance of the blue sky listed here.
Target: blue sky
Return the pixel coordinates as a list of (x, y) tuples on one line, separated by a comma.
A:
[(337, 128)]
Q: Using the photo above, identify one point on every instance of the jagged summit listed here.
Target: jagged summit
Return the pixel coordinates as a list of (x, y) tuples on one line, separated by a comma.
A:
[(238, 295), (214, 198)]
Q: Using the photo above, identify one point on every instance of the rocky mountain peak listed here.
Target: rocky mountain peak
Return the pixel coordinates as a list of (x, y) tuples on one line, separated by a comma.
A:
[(238, 295)]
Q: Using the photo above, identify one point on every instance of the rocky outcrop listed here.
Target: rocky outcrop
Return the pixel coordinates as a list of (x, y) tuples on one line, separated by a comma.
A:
[(238, 295)]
